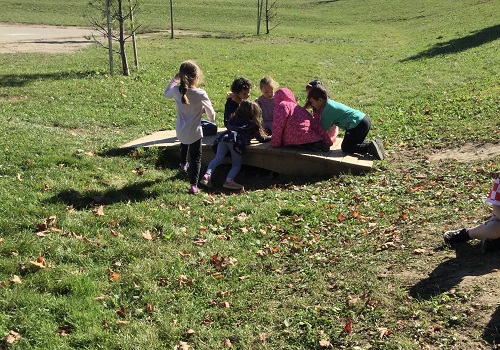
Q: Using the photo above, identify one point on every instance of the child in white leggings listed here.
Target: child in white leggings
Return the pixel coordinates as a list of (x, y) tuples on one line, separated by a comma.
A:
[(489, 232)]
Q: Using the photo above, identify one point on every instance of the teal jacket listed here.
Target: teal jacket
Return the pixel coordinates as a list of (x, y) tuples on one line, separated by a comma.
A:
[(336, 113)]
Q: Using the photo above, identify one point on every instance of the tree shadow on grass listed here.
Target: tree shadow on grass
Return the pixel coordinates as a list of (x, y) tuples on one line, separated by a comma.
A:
[(469, 261), (135, 192), (476, 39), (17, 80)]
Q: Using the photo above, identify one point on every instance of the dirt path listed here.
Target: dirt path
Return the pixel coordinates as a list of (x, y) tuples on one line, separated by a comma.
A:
[(47, 39)]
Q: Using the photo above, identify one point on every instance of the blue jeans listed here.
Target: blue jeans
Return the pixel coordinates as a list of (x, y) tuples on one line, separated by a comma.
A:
[(236, 160)]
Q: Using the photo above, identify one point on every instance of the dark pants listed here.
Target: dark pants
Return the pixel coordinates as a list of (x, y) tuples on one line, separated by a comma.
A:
[(354, 138), (195, 159)]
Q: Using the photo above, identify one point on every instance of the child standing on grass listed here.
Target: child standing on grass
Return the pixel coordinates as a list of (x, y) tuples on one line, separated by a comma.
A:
[(266, 102), (355, 123), (190, 102), (489, 232), (240, 91), (243, 126)]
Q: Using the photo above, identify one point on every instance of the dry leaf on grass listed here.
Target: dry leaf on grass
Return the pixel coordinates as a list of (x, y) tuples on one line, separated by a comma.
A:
[(39, 262), (16, 279), (12, 337)]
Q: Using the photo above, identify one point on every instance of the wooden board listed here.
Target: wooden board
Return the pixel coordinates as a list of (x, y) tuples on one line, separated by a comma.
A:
[(289, 160)]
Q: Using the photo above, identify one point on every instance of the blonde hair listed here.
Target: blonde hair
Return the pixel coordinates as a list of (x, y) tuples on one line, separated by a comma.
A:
[(267, 80), (250, 111), (189, 75)]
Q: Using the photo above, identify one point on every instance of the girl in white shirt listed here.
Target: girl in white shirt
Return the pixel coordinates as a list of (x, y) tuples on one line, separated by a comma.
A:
[(191, 102)]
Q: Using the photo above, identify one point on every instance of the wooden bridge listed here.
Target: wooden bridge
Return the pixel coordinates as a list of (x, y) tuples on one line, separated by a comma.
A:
[(289, 160)]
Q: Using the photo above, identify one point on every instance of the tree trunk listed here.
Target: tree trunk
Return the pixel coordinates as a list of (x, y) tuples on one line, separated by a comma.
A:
[(134, 42), (171, 20), (110, 39), (123, 55)]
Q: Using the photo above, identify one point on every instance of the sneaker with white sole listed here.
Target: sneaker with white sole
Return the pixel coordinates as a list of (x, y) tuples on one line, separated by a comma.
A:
[(206, 181), (377, 150), (231, 185)]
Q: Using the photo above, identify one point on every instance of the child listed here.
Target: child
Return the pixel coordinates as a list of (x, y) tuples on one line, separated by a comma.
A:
[(240, 91), (267, 88), (309, 85), (294, 125), (489, 232), (190, 102), (243, 126), (355, 123), (334, 130)]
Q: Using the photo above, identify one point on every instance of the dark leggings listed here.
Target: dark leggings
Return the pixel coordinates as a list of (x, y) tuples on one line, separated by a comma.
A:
[(354, 138), (195, 160)]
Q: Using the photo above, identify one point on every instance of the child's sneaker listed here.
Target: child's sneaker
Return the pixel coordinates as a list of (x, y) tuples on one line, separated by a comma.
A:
[(231, 185), (183, 167), (193, 189), (377, 150), (456, 236), (206, 181)]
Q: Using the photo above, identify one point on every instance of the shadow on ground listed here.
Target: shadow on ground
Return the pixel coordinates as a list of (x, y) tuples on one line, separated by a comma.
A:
[(469, 261), (453, 46)]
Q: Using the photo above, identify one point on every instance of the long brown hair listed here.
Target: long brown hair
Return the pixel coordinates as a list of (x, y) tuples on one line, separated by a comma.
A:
[(250, 111), (189, 72)]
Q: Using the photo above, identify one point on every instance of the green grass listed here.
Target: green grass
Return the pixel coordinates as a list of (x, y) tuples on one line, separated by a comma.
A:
[(298, 258)]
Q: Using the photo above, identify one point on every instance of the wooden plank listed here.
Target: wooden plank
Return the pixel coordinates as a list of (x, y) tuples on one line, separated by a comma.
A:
[(290, 160)]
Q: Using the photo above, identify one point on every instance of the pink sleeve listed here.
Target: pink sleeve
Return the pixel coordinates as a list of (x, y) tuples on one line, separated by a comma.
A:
[(279, 118), (318, 129)]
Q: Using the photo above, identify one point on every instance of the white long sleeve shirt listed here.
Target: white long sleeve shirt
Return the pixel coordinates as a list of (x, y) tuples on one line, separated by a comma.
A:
[(188, 123)]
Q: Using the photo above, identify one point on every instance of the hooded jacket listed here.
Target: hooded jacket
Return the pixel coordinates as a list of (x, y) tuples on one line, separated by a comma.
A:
[(293, 124)]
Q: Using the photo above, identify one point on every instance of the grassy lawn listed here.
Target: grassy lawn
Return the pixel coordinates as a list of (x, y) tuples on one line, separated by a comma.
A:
[(102, 249)]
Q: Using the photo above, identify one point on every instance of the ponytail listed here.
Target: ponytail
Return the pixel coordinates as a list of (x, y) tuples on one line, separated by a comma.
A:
[(183, 89), (189, 73)]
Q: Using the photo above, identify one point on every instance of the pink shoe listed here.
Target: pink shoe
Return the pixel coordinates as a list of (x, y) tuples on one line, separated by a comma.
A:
[(194, 189)]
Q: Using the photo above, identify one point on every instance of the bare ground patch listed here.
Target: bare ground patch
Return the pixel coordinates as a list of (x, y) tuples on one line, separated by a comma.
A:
[(467, 153)]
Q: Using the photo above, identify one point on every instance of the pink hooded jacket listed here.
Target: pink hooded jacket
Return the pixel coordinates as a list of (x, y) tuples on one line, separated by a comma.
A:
[(293, 124)]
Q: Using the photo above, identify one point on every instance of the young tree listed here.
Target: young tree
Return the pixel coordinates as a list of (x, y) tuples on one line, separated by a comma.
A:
[(110, 22), (269, 14)]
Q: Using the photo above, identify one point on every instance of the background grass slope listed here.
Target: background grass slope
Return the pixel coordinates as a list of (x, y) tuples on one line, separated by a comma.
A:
[(287, 263)]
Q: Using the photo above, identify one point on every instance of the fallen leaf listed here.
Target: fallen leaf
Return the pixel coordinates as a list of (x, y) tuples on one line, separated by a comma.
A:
[(190, 332), (147, 235), (348, 325), (114, 276), (12, 337), (121, 323), (263, 337), (99, 211), (227, 343), (323, 343), (122, 312), (64, 331), (383, 332), (39, 262), (419, 251), (16, 279), (183, 346)]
